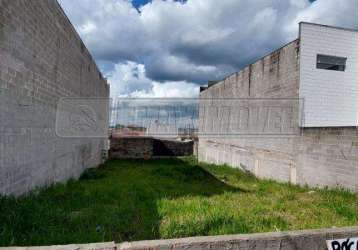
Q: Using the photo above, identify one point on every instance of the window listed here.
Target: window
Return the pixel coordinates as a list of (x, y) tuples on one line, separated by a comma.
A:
[(331, 62)]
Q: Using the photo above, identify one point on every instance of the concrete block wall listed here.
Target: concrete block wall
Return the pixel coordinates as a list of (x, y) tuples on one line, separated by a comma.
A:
[(42, 59), (274, 76), (131, 147), (165, 147), (317, 157), (147, 147), (328, 157)]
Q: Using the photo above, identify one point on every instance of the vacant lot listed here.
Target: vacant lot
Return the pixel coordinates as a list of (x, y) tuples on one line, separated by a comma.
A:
[(135, 200)]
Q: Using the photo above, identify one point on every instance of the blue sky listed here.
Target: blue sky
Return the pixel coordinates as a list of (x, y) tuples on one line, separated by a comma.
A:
[(169, 48), (139, 3)]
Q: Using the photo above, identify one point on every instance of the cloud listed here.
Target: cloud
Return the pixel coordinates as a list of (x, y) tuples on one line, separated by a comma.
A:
[(196, 40), (330, 12), (129, 79), (173, 68)]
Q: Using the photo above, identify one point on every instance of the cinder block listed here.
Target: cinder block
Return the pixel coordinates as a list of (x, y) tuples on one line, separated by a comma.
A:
[(37, 70)]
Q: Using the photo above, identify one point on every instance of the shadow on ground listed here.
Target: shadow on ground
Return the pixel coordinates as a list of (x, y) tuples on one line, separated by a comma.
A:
[(119, 202)]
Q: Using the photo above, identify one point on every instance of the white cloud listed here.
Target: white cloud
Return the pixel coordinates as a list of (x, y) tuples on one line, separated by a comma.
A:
[(328, 12), (331, 12), (170, 89), (198, 40), (129, 80), (87, 28)]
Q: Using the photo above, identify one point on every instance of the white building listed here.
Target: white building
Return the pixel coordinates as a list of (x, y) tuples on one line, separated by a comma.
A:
[(329, 75)]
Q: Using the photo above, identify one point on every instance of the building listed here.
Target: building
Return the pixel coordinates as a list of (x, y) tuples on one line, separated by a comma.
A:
[(312, 86), (43, 61)]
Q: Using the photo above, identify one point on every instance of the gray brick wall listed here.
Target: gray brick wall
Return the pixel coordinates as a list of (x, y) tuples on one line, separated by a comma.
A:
[(42, 59), (131, 147), (147, 147), (317, 157), (328, 157)]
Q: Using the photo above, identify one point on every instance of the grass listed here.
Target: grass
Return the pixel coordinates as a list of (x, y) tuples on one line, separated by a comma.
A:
[(134, 200)]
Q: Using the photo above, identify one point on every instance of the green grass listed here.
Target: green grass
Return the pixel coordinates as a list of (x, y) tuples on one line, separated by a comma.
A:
[(135, 200)]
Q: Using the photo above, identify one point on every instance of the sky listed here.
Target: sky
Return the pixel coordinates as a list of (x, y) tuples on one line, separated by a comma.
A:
[(157, 48)]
